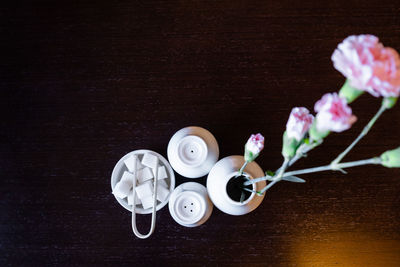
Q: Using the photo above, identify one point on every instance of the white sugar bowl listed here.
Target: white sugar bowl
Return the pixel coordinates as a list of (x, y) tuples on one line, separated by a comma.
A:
[(122, 169)]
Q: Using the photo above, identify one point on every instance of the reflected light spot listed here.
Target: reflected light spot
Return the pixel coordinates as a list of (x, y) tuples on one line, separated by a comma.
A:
[(345, 249)]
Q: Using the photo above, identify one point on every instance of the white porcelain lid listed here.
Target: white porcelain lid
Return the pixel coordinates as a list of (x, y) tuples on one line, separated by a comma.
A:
[(192, 152), (190, 205)]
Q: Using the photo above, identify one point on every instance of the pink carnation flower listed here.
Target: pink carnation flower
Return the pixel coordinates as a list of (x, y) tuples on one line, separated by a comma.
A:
[(299, 123), (333, 114), (369, 65), (255, 144)]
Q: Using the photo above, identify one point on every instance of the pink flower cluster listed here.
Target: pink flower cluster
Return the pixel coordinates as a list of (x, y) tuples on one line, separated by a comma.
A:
[(299, 123), (333, 114), (368, 65), (255, 144)]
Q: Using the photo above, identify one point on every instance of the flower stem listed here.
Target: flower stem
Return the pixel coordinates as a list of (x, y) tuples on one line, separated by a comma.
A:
[(375, 160), (256, 180), (249, 190), (361, 135), (242, 169), (302, 150), (278, 177)]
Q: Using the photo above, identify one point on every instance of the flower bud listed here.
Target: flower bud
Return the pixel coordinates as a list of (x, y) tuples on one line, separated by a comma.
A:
[(391, 158), (299, 122), (290, 146), (253, 147)]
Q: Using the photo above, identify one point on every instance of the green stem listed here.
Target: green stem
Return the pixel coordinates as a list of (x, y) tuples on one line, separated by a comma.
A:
[(299, 155), (361, 135), (302, 152), (249, 190), (333, 167), (242, 168), (278, 177), (303, 149)]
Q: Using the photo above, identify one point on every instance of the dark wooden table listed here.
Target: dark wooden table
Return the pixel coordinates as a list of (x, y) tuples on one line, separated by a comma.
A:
[(85, 82)]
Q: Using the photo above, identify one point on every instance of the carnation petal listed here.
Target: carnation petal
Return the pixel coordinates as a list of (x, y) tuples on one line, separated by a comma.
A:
[(368, 65)]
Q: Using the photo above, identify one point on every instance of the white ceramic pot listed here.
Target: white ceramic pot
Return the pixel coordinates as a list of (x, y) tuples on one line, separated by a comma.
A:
[(189, 204), (217, 181), (193, 151)]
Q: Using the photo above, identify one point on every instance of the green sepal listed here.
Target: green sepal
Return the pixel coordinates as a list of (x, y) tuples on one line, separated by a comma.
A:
[(290, 146), (315, 134), (349, 92), (249, 156), (389, 102), (391, 158)]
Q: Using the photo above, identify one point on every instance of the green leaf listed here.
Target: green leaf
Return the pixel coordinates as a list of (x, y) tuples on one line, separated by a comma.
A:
[(269, 173), (293, 179)]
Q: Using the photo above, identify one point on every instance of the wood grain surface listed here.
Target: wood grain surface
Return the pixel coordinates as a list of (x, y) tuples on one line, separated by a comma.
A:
[(84, 82)]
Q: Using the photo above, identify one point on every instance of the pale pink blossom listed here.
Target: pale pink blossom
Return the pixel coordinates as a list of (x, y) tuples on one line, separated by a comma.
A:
[(255, 144), (299, 123), (333, 114), (368, 65)]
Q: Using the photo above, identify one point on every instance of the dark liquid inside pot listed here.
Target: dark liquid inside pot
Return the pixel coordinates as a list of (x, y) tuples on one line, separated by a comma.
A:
[(234, 188)]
